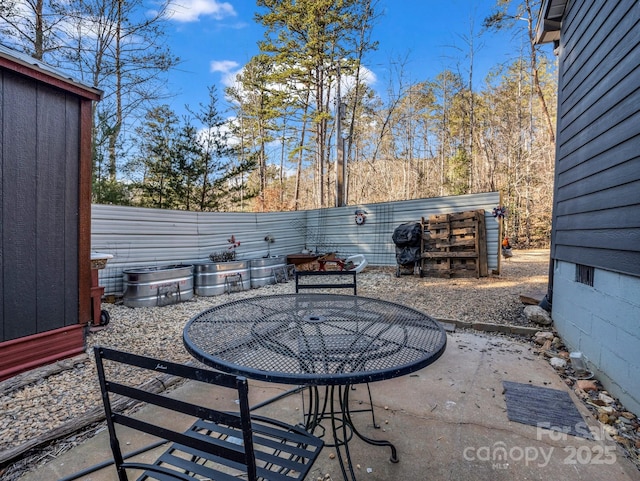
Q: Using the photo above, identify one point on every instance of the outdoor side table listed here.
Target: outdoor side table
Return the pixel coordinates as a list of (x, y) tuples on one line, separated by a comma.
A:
[(99, 317)]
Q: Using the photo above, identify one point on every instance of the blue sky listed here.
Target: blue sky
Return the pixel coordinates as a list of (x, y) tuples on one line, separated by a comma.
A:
[(215, 38)]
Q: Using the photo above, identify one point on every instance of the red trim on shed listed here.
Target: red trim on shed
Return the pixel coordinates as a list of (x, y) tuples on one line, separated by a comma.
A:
[(49, 78), (19, 355), (84, 213)]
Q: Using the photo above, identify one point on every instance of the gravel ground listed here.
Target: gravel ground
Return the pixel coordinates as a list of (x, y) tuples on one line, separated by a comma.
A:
[(29, 412)]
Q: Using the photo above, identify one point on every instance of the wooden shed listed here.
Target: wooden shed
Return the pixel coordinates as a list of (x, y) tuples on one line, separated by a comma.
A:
[(45, 218)]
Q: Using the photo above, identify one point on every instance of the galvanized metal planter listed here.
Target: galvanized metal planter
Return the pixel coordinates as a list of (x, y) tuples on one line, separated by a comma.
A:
[(264, 271), (157, 286), (215, 278)]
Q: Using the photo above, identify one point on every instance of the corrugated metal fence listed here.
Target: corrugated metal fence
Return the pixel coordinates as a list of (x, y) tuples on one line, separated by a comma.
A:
[(139, 237)]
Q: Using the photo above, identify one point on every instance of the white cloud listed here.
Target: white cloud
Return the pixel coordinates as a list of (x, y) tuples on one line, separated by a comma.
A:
[(367, 76), (224, 66), (229, 70), (192, 10)]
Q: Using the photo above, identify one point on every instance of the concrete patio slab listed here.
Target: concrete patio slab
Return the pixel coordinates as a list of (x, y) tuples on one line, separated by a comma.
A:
[(448, 422)]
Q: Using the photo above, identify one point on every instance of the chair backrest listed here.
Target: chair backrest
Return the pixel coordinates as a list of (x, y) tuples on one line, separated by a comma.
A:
[(240, 453), (337, 280)]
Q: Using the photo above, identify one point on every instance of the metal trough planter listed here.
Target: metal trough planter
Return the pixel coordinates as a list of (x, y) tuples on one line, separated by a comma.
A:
[(265, 270), (157, 286), (215, 278)]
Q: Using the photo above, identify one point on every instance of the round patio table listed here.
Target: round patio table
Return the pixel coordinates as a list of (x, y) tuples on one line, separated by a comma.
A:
[(315, 340)]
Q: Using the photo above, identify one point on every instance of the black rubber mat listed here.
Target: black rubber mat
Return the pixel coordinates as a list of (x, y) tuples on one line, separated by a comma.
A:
[(544, 408)]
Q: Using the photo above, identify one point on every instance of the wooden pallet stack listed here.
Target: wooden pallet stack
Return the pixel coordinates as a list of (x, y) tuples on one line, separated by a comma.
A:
[(454, 245)]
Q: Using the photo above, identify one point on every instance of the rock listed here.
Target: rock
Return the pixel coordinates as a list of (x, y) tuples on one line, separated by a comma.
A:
[(580, 393), (628, 415), (538, 315), (158, 331), (624, 420), (603, 418), (621, 440), (606, 399), (558, 363), (547, 345), (586, 385), (543, 336)]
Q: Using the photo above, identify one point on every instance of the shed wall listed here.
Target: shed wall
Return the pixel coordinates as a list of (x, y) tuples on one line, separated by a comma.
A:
[(139, 237), (39, 237)]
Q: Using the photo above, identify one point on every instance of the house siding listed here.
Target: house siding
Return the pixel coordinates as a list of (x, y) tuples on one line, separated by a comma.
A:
[(597, 196), (596, 218)]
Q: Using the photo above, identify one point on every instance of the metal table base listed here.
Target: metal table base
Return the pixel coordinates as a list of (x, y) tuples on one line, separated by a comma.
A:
[(334, 408)]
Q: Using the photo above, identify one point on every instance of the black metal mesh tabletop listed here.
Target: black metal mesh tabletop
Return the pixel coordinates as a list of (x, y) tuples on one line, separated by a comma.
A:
[(315, 339)]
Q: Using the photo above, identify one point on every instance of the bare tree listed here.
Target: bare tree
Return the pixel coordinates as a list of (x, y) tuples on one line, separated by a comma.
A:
[(35, 27), (501, 19), (112, 45), (119, 48)]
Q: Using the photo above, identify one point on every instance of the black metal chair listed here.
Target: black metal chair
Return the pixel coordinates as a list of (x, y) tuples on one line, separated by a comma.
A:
[(336, 276), (338, 283), (219, 445)]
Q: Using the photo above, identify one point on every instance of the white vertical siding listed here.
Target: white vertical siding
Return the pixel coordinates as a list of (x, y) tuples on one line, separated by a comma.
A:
[(139, 237)]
